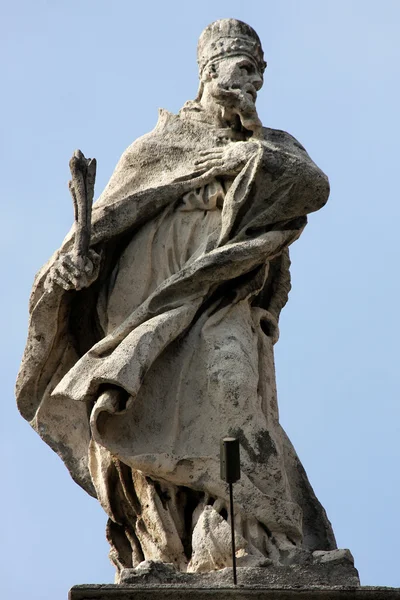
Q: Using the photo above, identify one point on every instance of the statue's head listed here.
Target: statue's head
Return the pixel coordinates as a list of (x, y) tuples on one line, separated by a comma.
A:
[(228, 38), (231, 65)]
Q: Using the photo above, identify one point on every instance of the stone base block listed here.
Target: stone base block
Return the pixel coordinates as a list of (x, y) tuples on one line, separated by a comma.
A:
[(326, 576), (176, 592)]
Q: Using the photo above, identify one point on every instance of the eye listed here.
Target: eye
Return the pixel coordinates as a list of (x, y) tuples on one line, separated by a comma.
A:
[(212, 71), (246, 69)]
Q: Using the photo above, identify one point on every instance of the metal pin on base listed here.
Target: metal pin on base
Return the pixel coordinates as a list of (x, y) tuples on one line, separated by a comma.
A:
[(230, 472)]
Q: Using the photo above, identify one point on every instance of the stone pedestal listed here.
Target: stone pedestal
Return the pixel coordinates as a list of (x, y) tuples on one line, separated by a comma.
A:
[(324, 576), (313, 579), (177, 592)]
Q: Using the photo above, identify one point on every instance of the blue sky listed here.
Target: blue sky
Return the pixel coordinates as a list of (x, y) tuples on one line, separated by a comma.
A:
[(92, 74)]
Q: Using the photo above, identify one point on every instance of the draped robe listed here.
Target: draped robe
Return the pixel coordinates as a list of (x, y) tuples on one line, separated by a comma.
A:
[(133, 380)]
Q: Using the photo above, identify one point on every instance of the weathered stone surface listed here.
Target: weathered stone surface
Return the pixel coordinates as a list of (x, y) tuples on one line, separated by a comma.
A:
[(306, 574), (340, 555), (334, 580), (174, 592), (152, 331)]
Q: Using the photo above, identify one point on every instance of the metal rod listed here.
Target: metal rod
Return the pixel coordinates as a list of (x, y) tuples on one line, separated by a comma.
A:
[(232, 533)]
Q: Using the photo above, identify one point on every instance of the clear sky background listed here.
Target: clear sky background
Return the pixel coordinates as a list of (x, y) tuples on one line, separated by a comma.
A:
[(92, 74)]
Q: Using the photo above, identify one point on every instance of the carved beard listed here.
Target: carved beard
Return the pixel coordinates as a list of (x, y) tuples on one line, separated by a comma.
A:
[(237, 102)]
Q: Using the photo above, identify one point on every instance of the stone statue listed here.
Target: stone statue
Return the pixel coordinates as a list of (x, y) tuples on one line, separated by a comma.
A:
[(148, 346)]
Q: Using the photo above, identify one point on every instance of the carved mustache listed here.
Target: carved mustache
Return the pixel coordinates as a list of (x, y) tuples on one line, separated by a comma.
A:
[(235, 91), (240, 100)]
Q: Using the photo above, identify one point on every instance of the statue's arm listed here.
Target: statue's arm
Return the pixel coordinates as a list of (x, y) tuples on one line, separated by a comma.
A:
[(284, 156)]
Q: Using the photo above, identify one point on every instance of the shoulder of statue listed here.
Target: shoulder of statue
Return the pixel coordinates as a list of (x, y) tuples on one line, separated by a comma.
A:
[(277, 136), (166, 121), (169, 122), (152, 142), (187, 127), (165, 118)]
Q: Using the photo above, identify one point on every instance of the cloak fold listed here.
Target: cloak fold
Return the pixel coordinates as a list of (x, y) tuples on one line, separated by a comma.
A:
[(69, 360)]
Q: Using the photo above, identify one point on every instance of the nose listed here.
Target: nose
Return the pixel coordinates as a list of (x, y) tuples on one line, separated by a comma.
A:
[(257, 80), (229, 75)]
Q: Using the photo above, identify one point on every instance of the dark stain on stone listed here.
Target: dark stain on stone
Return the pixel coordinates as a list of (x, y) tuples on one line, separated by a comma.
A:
[(264, 446)]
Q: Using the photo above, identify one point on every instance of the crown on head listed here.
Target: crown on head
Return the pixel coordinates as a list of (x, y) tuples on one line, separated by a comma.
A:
[(229, 37)]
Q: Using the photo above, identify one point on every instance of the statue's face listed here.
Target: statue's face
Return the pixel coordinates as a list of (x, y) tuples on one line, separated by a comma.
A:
[(238, 73), (232, 83)]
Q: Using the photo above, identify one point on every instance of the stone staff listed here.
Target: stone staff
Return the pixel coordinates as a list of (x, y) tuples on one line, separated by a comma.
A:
[(81, 186)]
